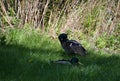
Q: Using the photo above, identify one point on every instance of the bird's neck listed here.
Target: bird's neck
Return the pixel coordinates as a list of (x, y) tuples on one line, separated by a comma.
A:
[(65, 40)]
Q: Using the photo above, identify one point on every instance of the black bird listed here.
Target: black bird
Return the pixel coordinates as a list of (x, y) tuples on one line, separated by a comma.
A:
[(73, 61), (71, 46)]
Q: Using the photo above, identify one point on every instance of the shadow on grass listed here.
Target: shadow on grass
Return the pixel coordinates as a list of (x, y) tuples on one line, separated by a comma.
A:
[(17, 64)]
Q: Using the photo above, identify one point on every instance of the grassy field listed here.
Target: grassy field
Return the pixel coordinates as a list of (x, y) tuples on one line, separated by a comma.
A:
[(28, 56)]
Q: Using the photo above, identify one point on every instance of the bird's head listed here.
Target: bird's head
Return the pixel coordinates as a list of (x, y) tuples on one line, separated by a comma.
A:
[(75, 61), (62, 37)]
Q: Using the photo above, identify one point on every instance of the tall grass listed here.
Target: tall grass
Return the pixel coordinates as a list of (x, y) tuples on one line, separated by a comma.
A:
[(95, 23)]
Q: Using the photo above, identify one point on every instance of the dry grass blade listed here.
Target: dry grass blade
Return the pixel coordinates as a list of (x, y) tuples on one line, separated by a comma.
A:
[(6, 17)]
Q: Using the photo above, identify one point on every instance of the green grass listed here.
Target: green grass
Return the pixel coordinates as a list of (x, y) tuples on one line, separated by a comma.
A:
[(28, 56)]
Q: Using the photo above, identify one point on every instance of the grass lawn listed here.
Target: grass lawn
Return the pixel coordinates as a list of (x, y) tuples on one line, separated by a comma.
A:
[(28, 58)]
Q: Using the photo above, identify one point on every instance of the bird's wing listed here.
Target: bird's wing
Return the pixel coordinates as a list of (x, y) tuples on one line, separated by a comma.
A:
[(63, 62), (77, 47)]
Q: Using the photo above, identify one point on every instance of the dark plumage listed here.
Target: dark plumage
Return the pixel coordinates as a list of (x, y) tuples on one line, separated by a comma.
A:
[(71, 46), (73, 61)]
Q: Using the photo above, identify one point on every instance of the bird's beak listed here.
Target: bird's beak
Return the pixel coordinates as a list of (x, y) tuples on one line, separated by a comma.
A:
[(79, 63)]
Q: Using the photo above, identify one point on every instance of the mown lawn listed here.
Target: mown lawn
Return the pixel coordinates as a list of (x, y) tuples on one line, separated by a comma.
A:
[(28, 58)]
